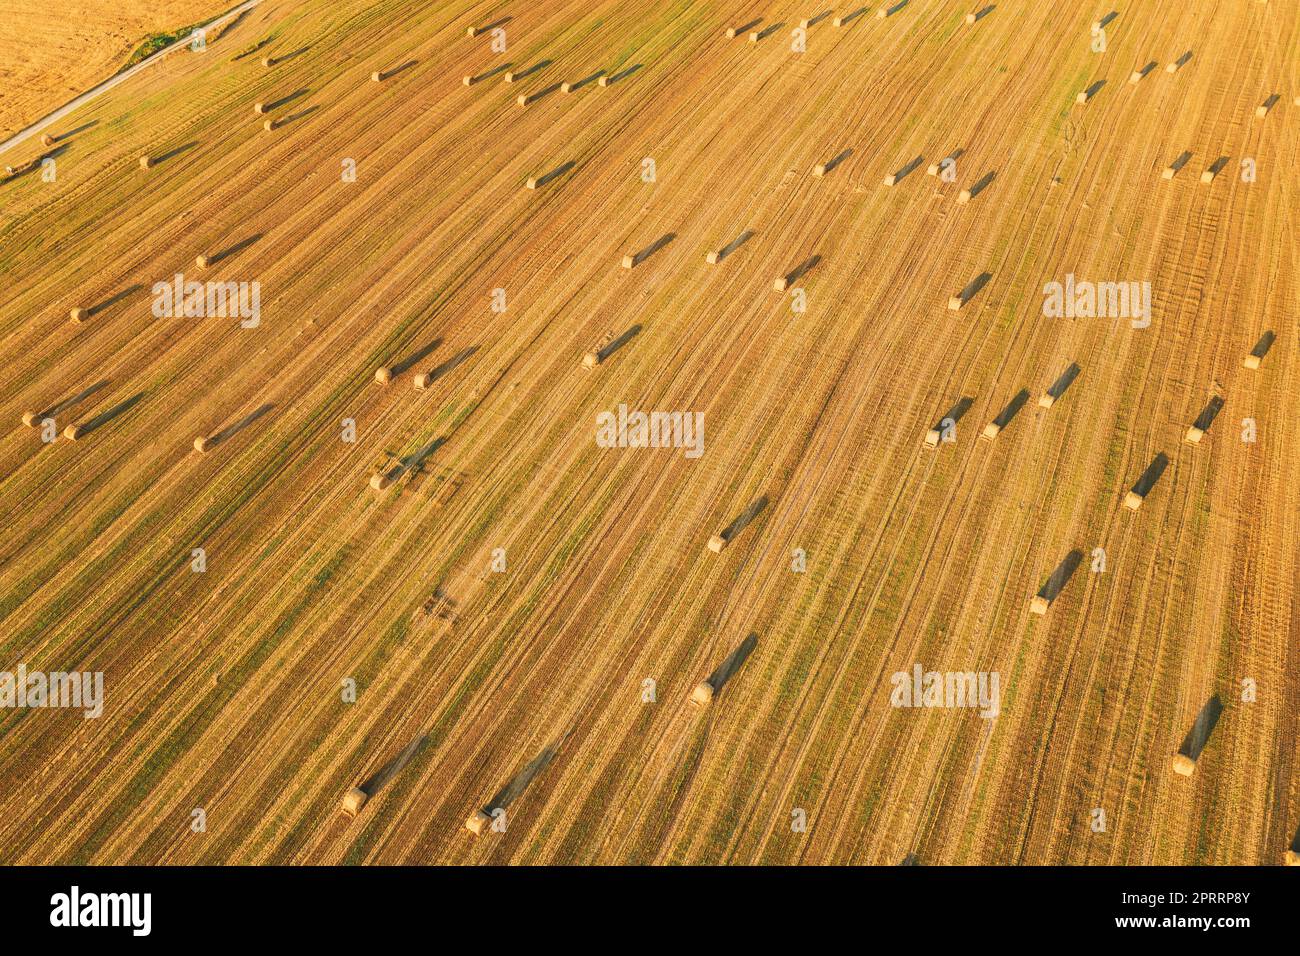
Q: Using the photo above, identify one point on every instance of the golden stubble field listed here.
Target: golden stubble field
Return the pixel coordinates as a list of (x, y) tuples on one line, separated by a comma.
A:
[(519, 598)]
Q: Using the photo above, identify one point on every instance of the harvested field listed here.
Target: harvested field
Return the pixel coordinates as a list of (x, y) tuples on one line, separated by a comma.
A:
[(579, 603)]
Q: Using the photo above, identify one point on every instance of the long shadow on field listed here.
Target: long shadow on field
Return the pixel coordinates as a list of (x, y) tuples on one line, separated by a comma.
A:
[(114, 300), (416, 356), (767, 31), (585, 81), (980, 185), (442, 369), (973, 287), (558, 171), (798, 272), (67, 403), (1012, 408), (489, 27), (231, 430), (277, 60), (639, 257), (389, 770), (741, 30), (1208, 414), (528, 71), (73, 132), (1064, 381), (897, 177), (13, 172), (520, 781), (827, 167), (1059, 578), (1203, 726), (731, 664), (732, 246), (729, 533), (175, 152), (294, 117), (1148, 478), (103, 418), (237, 248), (623, 75), (489, 74), (286, 100), (1263, 345), (981, 14), (605, 352), (953, 415), (892, 10)]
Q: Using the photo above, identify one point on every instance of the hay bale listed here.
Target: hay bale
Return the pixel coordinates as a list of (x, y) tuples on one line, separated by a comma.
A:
[(1193, 436), (383, 375), (423, 381), (146, 162), (566, 87), (353, 801), (532, 183), (990, 431), (267, 61), (1082, 96), (1046, 400), (1133, 501), (712, 258), (79, 314), (603, 80), (47, 139), (477, 823), (72, 432), (731, 33), (970, 18), (590, 360), (1292, 857), (1207, 177), (702, 695), (201, 445), (259, 108), (270, 124), (522, 99), (31, 418), (1184, 765), (379, 482), (471, 31), (780, 285), (932, 438), (377, 76), (1039, 605), (717, 543), (468, 80), (819, 169), (1263, 109), (954, 303), (510, 76), (963, 197), (629, 262), (1251, 362), (203, 261)]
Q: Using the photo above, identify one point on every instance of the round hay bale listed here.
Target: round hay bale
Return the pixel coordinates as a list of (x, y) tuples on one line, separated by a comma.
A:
[(379, 482), (468, 80), (702, 694), (376, 76), (353, 801), (383, 375), (72, 432), (590, 360), (1291, 857), (731, 33), (522, 99), (80, 314), (267, 61), (202, 445), (1184, 765), (270, 124), (203, 261), (970, 18), (423, 380), (532, 183), (31, 418), (477, 823), (146, 162), (259, 108), (47, 139)]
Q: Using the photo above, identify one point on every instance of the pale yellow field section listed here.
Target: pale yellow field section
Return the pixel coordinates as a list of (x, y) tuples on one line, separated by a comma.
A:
[(518, 591)]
